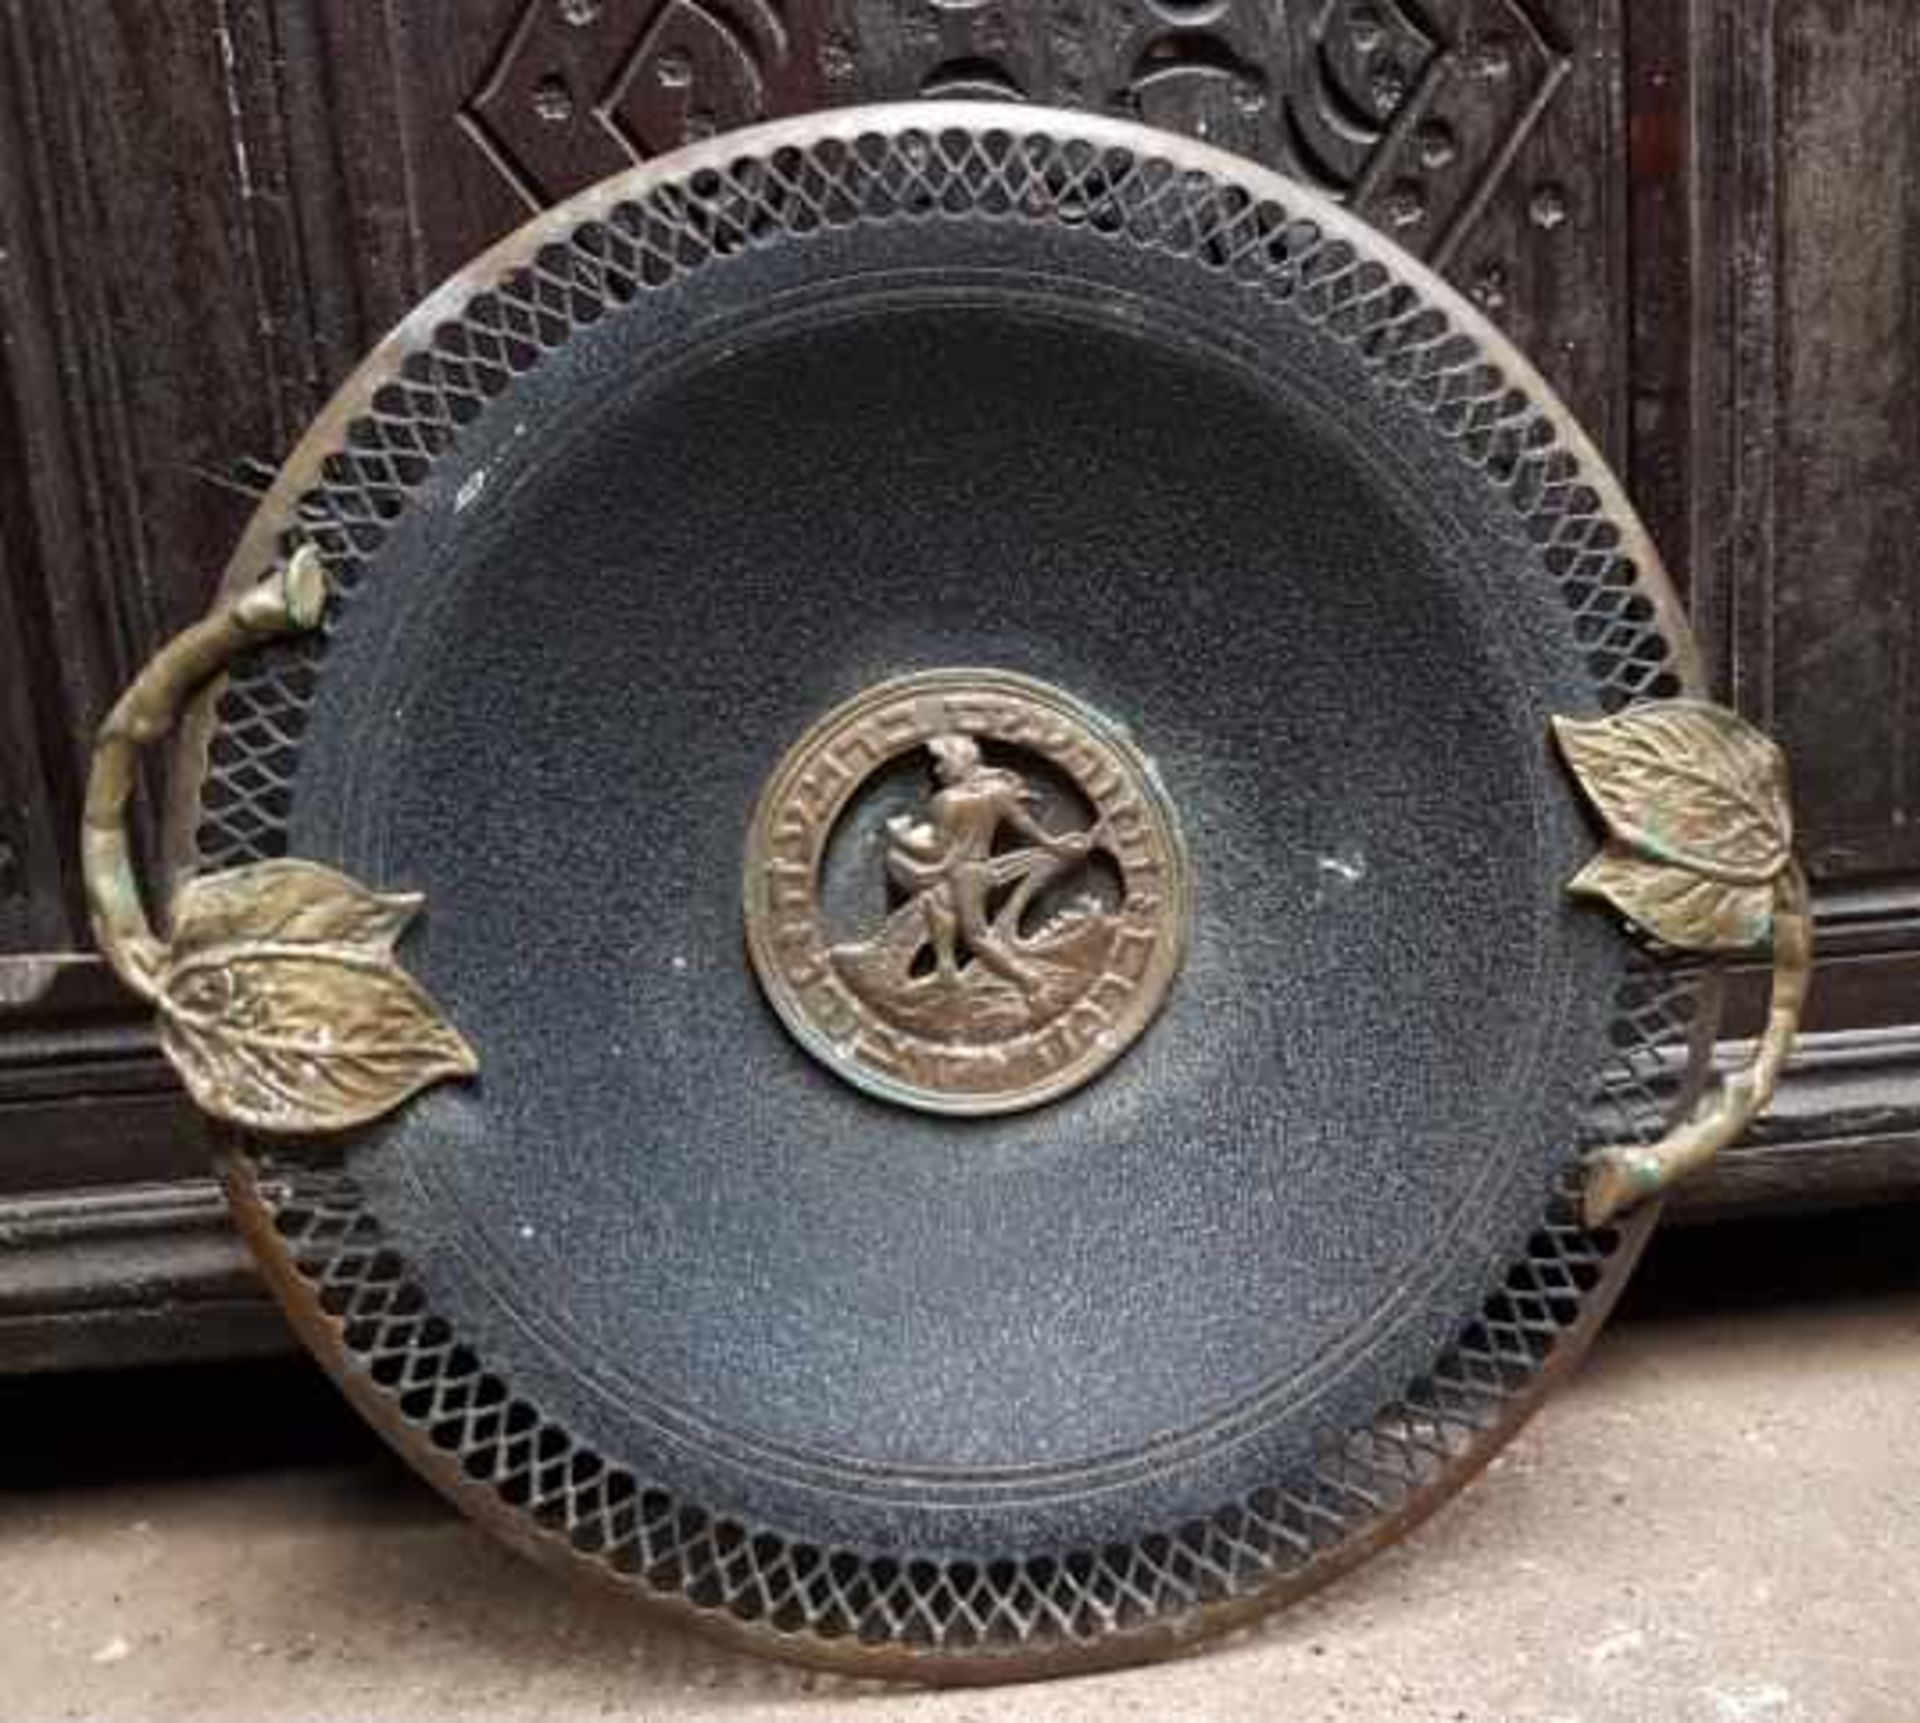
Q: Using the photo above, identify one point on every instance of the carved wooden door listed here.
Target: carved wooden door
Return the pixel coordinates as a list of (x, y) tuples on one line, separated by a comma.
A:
[(1694, 218)]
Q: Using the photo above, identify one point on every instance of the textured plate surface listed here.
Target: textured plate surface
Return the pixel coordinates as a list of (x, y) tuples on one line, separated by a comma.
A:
[(618, 515)]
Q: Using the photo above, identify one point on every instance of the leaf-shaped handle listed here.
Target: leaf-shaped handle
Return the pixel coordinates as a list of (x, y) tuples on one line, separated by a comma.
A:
[(1688, 784), (1685, 909), (303, 1038), (287, 902), (1699, 854), (281, 1003)]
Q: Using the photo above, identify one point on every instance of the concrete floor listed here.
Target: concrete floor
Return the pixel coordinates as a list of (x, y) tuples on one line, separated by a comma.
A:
[(1719, 1521)]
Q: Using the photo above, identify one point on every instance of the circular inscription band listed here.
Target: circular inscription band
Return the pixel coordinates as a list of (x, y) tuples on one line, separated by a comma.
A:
[(1019, 882)]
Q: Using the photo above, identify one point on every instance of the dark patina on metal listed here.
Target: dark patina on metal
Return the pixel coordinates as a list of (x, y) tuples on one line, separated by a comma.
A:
[(662, 1298)]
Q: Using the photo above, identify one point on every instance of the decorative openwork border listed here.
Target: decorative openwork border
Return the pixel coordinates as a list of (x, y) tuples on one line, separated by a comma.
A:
[(350, 1292), (932, 1617)]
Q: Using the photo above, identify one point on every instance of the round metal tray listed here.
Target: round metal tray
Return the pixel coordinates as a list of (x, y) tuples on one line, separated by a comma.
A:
[(612, 523)]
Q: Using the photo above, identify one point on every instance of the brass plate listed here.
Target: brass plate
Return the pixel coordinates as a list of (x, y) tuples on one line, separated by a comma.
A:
[(1016, 950)]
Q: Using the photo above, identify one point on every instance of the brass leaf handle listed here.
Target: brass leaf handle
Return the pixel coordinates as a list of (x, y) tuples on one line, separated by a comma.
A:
[(1699, 853), (281, 1002)]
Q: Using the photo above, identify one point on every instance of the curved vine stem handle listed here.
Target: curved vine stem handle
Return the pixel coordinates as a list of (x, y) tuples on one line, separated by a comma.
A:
[(1621, 1176), (1699, 852), (288, 601), (281, 1003)]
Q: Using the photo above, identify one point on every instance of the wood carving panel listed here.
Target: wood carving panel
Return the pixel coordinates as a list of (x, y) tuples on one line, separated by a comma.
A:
[(1413, 116), (1482, 134), (583, 88)]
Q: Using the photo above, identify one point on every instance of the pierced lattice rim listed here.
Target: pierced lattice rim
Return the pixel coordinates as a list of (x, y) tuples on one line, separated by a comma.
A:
[(1089, 1608)]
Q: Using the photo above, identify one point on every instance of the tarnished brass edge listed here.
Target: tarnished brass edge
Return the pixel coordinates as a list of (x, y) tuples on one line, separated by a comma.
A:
[(265, 967)]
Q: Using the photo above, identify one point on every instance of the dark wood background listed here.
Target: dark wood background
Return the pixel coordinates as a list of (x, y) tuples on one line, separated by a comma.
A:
[(1701, 217)]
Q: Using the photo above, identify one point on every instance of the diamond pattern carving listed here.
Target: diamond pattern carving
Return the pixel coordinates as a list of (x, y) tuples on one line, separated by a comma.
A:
[(1411, 109)]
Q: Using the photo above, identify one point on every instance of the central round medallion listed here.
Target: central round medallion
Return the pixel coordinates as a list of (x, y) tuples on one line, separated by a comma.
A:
[(965, 891)]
